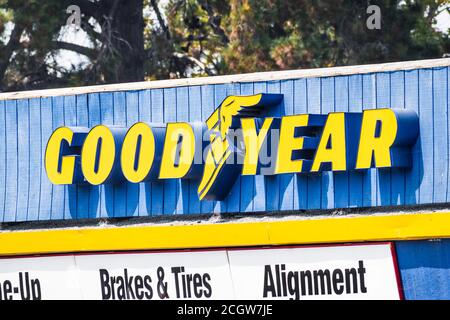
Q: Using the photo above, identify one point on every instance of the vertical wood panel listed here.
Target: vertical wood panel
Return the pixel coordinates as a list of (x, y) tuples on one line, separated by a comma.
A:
[(426, 134), (207, 109), (157, 100), (132, 189), (300, 180), (448, 130), (70, 191), (45, 200), (341, 179), (413, 176), (120, 120), (11, 162), (327, 106), (398, 102), (58, 190), (220, 93), (314, 105), (259, 197), (35, 159), (182, 185), (145, 188), (273, 182), (171, 192), (440, 135), (94, 117), (2, 159), (106, 191), (369, 176), (23, 154), (355, 104), (83, 191), (383, 101), (247, 182), (233, 199), (287, 180), (195, 115)]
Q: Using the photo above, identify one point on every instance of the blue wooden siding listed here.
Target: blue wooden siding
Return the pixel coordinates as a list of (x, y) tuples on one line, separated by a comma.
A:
[(424, 269), (26, 193), (12, 174)]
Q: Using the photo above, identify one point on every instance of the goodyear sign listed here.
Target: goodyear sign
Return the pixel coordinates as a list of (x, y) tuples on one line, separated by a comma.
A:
[(238, 138)]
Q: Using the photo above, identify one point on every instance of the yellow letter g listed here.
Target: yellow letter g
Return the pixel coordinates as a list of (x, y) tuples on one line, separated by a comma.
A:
[(62, 155)]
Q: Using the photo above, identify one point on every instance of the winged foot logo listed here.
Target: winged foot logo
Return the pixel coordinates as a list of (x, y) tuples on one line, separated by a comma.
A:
[(222, 147), (239, 138)]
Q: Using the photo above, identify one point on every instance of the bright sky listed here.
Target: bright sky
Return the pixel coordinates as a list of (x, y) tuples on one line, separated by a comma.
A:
[(443, 21)]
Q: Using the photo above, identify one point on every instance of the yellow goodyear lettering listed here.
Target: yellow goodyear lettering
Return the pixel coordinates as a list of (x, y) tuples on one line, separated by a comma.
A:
[(179, 151), (378, 134), (332, 146), (99, 153), (253, 142), (305, 143), (138, 152), (218, 174), (290, 143), (61, 163)]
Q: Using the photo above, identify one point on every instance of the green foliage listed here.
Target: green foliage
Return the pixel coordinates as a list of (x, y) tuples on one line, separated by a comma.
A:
[(151, 39), (302, 33)]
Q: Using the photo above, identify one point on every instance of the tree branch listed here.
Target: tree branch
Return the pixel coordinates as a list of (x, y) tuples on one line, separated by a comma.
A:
[(212, 21), (86, 26), (90, 8), (8, 50), (88, 52), (195, 61), (160, 19)]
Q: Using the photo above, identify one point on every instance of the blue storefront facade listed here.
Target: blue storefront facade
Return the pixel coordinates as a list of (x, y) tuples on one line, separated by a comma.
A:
[(28, 196)]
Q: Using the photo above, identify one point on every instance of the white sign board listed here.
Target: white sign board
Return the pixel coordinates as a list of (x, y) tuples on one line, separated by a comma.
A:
[(344, 272), (319, 272), (180, 275)]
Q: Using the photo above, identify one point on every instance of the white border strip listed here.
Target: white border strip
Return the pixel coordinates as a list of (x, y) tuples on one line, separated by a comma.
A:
[(248, 77)]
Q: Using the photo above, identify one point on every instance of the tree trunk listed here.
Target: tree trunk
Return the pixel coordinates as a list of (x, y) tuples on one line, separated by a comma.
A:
[(7, 51), (128, 39)]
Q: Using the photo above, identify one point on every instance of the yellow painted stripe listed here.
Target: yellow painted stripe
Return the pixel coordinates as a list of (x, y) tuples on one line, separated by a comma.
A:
[(329, 230)]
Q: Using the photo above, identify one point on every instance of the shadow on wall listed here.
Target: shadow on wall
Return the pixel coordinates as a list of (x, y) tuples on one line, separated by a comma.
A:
[(120, 200), (374, 187), (395, 187)]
